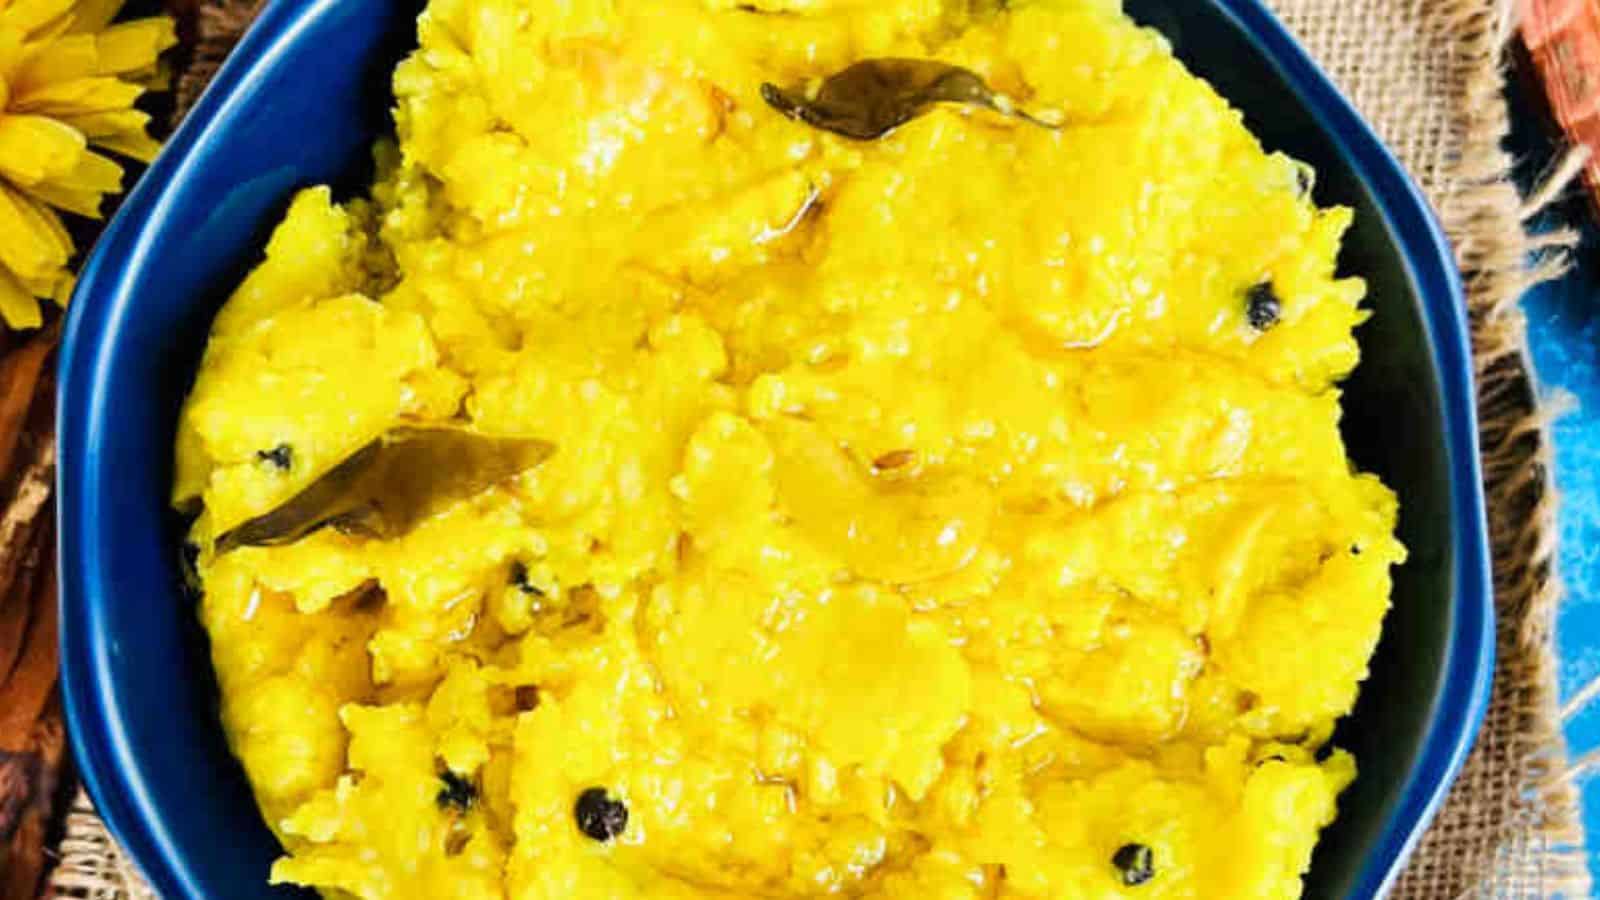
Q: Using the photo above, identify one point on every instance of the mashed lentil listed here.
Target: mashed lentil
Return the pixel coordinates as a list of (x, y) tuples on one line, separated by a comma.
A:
[(961, 514)]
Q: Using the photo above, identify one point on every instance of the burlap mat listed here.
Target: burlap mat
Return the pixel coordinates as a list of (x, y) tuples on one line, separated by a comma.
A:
[(1427, 74)]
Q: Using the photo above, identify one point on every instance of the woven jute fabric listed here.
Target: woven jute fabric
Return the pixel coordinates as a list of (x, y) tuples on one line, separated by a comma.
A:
[(1428, 75)]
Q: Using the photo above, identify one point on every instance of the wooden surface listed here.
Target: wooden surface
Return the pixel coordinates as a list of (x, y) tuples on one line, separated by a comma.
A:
[(32, 737), (36, 782)]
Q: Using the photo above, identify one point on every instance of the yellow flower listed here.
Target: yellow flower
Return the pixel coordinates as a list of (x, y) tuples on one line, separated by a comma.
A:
[(68, 81)]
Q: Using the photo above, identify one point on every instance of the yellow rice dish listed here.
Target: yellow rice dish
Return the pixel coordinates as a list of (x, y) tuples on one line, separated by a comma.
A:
[(957, 514)]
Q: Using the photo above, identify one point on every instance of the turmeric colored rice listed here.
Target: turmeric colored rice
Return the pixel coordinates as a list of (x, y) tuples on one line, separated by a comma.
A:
[(958, 514)]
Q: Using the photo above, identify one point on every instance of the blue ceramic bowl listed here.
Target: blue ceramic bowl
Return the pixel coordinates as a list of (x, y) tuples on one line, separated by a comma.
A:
[(301, 101)]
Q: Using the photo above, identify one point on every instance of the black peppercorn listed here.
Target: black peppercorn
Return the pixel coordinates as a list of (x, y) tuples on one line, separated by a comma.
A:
[(599, 817), (1135, 862), (1263, 306), (280, 457), (457, 793), (519, 580)]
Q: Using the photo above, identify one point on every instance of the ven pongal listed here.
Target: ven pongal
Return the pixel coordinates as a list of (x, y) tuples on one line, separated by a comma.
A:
[(956, 511)]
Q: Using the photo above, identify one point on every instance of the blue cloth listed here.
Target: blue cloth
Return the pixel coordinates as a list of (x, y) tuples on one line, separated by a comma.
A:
[(1564, 333), (1564, 328)]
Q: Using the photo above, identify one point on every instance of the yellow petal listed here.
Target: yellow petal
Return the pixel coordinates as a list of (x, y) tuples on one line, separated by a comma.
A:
[(17, 307), (81, 190), (101, 124), (83, 95), (93, 172), (12, 42), (134, 146), (157, 77), (33, 148), (36, 247), (47, 218), (46, 62), (64, 288), (44, 285), (131, 46), (120, 131), (93, 15), (79, 201), (53, 30), (32, 16)]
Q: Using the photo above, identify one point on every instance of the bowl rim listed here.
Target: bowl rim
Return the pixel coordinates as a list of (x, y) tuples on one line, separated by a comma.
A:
[(1468, 669), (105, 758)]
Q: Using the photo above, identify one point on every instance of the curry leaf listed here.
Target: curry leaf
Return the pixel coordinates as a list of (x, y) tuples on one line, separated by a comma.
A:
[(873, 97), (384, 489)]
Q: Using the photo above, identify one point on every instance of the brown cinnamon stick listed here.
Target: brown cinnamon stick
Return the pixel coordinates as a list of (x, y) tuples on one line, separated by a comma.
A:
[(17, 613), (32, 738), (21, 370), (26, 539), (25, 690), (28, 787)]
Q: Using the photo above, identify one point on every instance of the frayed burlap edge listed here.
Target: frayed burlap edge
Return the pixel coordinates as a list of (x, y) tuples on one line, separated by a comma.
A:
[(1530, 841), (91, 865), (1521, 837)]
